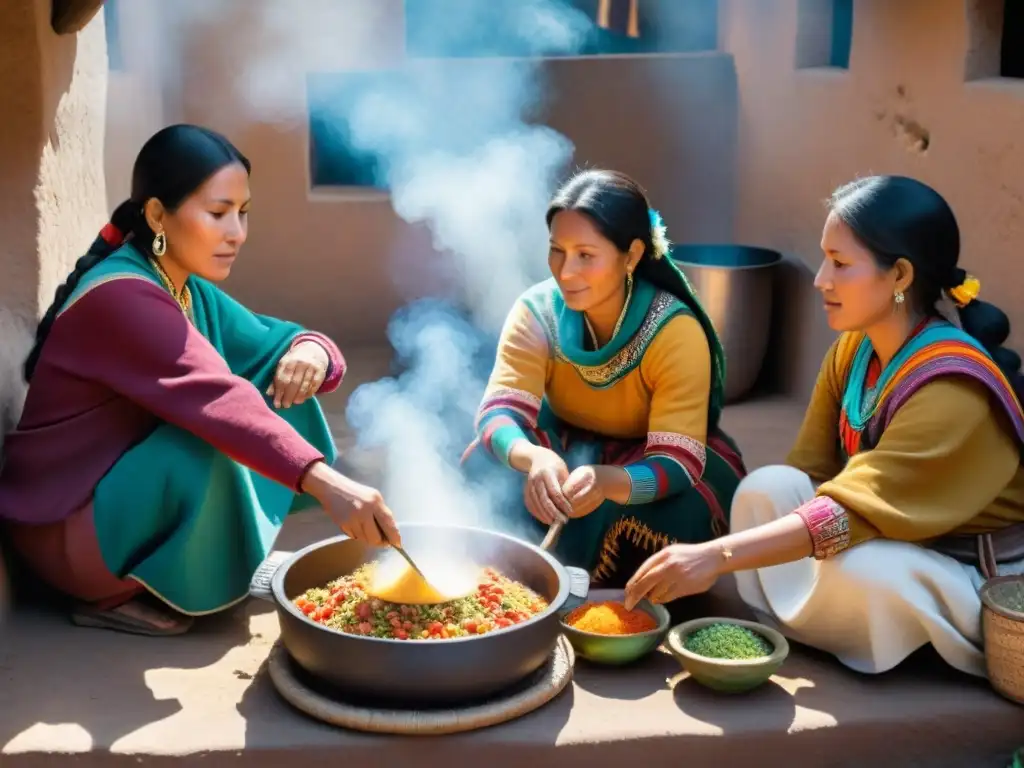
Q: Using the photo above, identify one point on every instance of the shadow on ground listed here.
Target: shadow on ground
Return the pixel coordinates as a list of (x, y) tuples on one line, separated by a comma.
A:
[(96, 686)]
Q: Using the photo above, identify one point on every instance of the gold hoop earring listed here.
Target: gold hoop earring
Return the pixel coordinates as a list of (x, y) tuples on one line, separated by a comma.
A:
[(159, 244)]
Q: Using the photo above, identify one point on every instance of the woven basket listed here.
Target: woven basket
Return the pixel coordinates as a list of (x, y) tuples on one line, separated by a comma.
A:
[(1002, 623)]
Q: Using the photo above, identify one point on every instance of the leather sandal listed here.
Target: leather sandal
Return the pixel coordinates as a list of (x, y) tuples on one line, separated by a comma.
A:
[(115, 619)]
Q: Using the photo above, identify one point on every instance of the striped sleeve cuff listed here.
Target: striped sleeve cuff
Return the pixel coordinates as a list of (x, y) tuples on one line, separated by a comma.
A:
[(505, 416), (498, 435), (522, 405), (689, 454), (643, 482), (672, 463), (655, 478)]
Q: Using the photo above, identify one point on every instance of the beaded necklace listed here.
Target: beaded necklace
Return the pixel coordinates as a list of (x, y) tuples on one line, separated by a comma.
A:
[(618, 324), (184, 298)]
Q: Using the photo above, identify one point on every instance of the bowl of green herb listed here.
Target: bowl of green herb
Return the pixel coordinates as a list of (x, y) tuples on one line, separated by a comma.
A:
[(728, 655)]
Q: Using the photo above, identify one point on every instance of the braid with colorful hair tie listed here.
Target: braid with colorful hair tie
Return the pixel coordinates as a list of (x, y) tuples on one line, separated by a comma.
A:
[(966, 292), (110, 238)]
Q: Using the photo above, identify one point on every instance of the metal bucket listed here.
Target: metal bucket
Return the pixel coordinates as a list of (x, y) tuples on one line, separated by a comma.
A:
[(735, 283)]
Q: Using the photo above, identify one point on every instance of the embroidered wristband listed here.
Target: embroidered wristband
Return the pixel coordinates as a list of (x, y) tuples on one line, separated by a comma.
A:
[(828, 524)]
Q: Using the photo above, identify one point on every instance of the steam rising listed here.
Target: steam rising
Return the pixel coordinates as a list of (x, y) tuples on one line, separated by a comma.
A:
[(421, 420), (460, 156), (480, 177)]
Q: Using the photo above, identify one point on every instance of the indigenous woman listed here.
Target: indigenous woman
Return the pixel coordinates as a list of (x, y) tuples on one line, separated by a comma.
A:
[(904, 491), (611, 365), (151, 470)]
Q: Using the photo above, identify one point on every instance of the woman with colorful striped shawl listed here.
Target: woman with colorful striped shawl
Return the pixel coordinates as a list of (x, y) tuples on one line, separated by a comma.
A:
[(607, 389), (168, 430), (905, 490)]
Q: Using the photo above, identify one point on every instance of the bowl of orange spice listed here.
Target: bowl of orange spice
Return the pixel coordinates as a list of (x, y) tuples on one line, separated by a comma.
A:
[(604, 632)]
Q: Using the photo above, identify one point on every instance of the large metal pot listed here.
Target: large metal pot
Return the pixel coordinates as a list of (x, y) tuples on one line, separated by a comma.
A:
[(735, 284), (427, 672)]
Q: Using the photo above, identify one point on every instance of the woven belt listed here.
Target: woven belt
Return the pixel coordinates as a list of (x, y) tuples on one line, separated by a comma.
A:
[(985, 551)]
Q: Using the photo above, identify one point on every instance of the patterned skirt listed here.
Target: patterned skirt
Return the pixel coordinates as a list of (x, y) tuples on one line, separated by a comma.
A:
[(614, 540)]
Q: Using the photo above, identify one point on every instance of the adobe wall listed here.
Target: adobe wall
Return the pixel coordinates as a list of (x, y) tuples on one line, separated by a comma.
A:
[(326, 257), (52, 195), (803, 132)]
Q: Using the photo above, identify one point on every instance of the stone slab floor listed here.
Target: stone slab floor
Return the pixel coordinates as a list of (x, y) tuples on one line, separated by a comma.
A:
[(79, 697)]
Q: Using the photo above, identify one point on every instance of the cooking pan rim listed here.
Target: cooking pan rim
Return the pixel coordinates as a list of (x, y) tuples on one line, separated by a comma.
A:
[(277, 585)]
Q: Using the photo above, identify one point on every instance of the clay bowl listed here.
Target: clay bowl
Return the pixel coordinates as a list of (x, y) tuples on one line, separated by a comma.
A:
[(727, 675), (616, 650)]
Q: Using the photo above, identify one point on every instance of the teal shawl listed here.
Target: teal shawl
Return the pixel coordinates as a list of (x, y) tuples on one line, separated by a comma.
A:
[(174, 513), (653, 303)]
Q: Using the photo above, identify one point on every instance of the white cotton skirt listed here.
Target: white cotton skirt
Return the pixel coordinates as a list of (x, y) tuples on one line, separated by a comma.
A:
[(871, 605)]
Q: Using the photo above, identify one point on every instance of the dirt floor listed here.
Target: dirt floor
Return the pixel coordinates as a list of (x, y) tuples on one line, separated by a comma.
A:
[(71, 696)]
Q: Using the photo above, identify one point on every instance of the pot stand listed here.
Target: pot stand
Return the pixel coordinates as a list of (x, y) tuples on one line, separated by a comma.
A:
[(330, 706)]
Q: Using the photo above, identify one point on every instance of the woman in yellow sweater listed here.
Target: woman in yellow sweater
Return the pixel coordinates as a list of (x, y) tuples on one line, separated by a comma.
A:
[(904, 491), (607, 389)]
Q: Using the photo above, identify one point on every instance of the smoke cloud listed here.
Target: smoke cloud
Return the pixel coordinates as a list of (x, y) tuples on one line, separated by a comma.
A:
[(461, 157), (460, 154)]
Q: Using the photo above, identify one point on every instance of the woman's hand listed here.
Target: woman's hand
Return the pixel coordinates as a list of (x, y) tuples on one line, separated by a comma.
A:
[(357, 509), (584, 490), (299, 374), (543, 490), (676, 571)]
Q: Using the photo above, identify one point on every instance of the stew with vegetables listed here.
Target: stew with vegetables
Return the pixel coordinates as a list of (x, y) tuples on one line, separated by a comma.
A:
[(346, 605)]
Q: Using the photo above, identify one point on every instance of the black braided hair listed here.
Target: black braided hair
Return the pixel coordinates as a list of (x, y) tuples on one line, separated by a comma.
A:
[(896, 217), (170, 167), (619, 208)]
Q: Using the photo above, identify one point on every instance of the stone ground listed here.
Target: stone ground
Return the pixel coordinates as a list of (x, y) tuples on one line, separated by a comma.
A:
[(71, 696)]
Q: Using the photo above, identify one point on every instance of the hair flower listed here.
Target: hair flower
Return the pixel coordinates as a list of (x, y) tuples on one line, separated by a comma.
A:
[(659, 234), (966, 292)]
